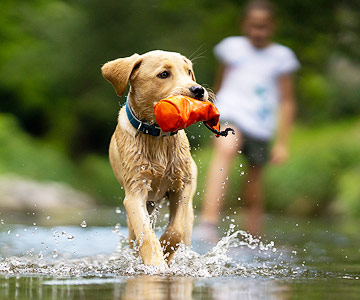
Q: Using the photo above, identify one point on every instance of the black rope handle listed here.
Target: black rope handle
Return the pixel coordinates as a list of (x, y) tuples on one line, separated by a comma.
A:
[(222, 132)]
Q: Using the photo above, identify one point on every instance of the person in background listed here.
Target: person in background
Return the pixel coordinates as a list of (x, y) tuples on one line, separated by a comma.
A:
[(254, 96)]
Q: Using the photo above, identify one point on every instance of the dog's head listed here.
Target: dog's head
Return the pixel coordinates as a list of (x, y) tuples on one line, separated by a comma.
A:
[(153, 76)]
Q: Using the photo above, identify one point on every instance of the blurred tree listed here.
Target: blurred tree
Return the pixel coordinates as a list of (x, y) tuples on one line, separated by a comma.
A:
[(52, 50)]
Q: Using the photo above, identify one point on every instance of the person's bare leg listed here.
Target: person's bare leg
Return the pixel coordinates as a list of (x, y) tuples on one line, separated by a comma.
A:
[(225, 150), (253, 193)]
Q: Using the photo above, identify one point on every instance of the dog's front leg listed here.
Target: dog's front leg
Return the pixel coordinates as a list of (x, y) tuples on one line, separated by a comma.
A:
[(149, 246), (181, 221)]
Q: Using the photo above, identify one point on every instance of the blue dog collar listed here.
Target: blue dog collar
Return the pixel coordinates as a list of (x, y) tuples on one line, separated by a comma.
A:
[(144, 127)]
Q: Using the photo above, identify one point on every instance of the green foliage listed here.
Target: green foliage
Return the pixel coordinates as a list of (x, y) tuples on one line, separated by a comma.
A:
[(348, 192), (97, 178), (316, 90), (23, 155), (308, 183), (51, 53)]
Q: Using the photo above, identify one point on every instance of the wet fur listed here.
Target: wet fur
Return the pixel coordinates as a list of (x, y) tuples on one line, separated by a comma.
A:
[(151, 168)]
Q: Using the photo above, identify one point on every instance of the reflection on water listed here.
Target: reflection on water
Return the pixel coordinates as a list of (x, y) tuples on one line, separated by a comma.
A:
[(158, 288), (142, 288), (76, 262)]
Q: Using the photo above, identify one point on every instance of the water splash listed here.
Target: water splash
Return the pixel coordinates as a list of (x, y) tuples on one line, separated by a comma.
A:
[(237, 254)]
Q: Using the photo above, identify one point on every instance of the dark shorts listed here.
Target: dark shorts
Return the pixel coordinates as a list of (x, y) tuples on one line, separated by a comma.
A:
[(256, 151)]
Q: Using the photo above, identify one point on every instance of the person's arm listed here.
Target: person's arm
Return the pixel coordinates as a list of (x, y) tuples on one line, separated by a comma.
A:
[(287, 110)]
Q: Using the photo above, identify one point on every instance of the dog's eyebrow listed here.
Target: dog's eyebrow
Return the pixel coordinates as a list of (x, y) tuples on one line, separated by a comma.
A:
[(186, 61), (167, 66)]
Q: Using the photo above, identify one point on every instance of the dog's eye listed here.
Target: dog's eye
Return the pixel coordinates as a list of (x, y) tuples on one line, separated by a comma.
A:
[(164, 74), (189, 72)]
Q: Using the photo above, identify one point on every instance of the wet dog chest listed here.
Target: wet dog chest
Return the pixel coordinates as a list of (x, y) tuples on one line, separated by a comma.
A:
[(159, 187), (165, 180)]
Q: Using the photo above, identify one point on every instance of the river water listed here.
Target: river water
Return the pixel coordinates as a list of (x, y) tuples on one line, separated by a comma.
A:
[(297, 259)]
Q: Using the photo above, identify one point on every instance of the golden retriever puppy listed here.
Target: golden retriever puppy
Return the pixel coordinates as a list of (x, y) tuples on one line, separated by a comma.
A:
[(152, 165)]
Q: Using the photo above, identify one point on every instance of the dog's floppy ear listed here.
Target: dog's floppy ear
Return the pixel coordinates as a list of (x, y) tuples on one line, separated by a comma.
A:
[(189, 62), (118, 71)]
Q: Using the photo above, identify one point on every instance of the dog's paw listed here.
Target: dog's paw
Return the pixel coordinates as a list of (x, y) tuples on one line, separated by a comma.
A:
[(154, 260), (151, 253)]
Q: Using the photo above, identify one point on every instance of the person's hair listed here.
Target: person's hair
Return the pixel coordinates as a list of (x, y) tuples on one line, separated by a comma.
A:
[(261, 5)]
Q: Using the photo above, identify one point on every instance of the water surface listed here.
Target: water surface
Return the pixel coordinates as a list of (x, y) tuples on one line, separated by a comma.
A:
[(298, 259)]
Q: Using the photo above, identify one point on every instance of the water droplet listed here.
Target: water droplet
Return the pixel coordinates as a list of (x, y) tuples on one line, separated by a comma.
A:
[(40, 255), (70, 237), (48, 218), (116, 228), (118, 210), (221, 169), (2, 221), (83, 224), (9, 231), (55, 253)]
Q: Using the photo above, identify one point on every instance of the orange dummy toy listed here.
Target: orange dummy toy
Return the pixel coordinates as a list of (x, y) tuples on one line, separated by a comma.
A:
[(178, 112)]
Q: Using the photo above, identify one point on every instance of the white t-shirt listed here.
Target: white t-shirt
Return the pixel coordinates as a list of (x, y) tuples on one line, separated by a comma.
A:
[(249, 94)]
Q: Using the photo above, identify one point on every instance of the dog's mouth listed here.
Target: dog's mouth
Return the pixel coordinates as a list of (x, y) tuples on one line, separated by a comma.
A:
[(196, 92), (204, 99)]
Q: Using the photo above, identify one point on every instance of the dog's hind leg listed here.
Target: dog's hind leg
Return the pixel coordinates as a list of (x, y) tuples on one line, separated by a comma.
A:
[(138, 217)]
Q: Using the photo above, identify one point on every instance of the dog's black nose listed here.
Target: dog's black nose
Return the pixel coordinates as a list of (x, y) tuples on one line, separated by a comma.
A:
[(198, 91)]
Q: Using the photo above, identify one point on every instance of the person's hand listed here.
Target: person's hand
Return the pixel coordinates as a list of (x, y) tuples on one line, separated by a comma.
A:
[(279, 154)]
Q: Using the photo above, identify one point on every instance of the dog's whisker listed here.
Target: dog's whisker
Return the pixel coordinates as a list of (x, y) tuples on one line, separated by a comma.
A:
[(198, 57), (197, 50), (212, 97)]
